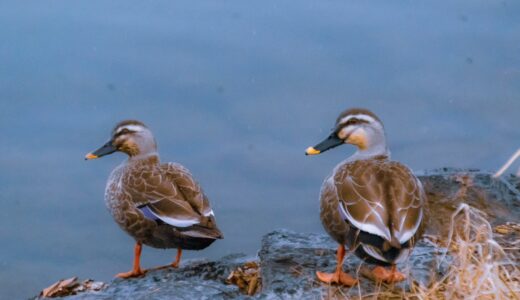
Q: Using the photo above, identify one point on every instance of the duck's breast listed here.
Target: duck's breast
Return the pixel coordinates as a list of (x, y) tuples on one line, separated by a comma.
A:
[(121, 206)]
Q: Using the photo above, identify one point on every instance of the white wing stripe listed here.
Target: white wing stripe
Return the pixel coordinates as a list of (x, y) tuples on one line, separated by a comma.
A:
[(367, 227), (404, 236), (176, 222), (209, 213)]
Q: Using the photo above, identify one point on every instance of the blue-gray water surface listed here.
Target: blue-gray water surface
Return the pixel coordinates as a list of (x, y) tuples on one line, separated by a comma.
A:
[(235, 91)]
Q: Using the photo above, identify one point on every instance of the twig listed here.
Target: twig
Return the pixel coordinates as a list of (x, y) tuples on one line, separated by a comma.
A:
[(507, 164)]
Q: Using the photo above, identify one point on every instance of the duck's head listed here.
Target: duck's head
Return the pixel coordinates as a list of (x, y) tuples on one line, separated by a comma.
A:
[(359, 127), (131, 137)]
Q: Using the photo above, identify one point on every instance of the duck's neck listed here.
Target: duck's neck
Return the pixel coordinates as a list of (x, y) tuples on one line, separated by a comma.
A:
[(370, 153), (149, 158), (375, 146)]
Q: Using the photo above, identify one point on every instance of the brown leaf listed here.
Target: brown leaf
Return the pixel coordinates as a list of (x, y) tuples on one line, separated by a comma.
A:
[(246, 277), (71, 286), (60, 288)]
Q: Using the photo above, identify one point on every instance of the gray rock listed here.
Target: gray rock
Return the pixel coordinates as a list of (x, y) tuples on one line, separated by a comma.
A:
[(289, 260), (515, 181), (198, 279), (447, 188)]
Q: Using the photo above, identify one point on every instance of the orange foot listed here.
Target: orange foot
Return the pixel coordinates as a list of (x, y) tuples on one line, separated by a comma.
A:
[(388, 276), (337, 277), (131, 274)]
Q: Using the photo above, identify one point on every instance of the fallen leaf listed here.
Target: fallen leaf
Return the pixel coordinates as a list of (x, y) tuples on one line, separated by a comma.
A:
[(60, 288), (71, 286), (246, 278)]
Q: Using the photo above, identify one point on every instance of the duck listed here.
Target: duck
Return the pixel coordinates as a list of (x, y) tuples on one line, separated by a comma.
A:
[(159, 204), (370, 205)]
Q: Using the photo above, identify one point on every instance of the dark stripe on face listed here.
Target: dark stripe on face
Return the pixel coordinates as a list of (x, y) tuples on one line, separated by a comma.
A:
[(122, 132), (354, 121)]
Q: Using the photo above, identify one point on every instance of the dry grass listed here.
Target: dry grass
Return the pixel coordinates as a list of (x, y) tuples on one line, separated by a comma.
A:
[(481, 268)]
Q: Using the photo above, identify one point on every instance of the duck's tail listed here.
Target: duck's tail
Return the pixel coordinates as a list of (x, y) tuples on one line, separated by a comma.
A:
[(394, 243), (197, 231)]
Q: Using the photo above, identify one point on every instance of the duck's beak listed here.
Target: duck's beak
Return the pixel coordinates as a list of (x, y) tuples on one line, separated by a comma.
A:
[(106, 149), (330, 142)]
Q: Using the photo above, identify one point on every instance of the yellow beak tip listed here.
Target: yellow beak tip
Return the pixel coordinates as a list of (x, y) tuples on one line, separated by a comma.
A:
[(312, 151), (90, 156)]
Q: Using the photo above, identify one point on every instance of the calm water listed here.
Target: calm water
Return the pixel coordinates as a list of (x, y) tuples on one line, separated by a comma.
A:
[(235, 91)]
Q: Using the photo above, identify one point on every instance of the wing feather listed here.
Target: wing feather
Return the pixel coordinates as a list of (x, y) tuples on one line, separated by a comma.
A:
[(173, 212), (362, 200), (409, 197), (189, 187), (380, 197), (170, 193)]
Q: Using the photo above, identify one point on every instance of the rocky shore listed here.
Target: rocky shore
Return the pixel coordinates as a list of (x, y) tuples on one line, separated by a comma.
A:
[(287, 260)]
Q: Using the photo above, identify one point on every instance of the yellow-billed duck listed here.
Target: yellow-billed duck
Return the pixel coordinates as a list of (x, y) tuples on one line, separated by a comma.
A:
[(159, 205), (369, 204)]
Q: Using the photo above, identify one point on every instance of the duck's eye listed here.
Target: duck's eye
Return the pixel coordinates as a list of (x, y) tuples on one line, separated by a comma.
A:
[(355, 121), (352, 121), (123, 132)]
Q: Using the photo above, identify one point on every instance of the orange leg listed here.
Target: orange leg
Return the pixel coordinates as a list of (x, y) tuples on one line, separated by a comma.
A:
[(174, 264), (177, 261), (339, 276), (388, 276), (136, 270)]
